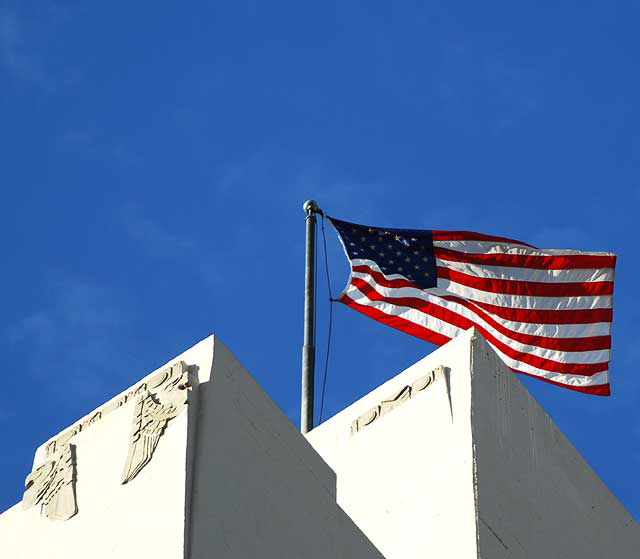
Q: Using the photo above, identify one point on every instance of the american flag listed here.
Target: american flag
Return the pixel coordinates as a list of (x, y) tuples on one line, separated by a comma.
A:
[(547, 313)]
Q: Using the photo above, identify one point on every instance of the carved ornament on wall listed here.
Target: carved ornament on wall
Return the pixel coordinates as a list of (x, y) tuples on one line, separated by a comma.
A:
[(167, 376), (152, 413), (158, 400), (403, 395), (52, 485)]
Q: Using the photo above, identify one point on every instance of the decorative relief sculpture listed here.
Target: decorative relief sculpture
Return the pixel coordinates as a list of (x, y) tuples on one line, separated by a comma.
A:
[(52, 485), (152, 413), (172, 374), (402, 396)]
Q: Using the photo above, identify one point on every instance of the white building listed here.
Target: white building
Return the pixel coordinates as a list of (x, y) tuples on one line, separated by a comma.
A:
[(454, 458), (451, 458)]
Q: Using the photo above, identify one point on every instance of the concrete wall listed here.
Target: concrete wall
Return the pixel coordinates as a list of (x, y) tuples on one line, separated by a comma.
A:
[(489, 477), (407, 478), (259, 489), (230, 477), (537, 497), (462, 463), (144, 518)]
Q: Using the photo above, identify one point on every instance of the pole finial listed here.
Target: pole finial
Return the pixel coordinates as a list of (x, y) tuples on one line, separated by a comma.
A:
[(311, 206)]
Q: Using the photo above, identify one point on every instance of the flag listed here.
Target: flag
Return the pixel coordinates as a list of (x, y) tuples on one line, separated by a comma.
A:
[(546, 313)]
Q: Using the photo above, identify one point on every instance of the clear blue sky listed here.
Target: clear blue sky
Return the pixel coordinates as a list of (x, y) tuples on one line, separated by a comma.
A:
[(155, 157)]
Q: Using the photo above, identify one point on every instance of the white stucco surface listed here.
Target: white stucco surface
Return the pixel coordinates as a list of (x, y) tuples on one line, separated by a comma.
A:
[(407, 479), (144, 518), (259, 489), (536, 496), (230, 478), (457, 461), (476, 470)]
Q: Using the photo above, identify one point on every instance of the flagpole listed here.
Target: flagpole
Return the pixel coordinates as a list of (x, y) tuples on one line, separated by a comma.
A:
[(311, 208)]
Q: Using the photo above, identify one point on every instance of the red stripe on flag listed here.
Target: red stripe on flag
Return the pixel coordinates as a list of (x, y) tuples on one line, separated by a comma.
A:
[(582, 369), (535, 316), (397, 322), (382, 280), (440, 235), (595, 389), (538, 262), (592, 343), (531, 316), (438, 339), (528, 288)]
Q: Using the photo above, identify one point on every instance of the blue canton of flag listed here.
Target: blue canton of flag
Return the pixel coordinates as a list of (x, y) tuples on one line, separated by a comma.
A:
[(396, 251)]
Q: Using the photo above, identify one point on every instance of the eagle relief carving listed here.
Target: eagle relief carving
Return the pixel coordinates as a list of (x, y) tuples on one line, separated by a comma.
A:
[(52, 485), (163, 400)]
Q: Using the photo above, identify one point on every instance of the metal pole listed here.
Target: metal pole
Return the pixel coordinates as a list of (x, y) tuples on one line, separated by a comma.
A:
[(308, 349)]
